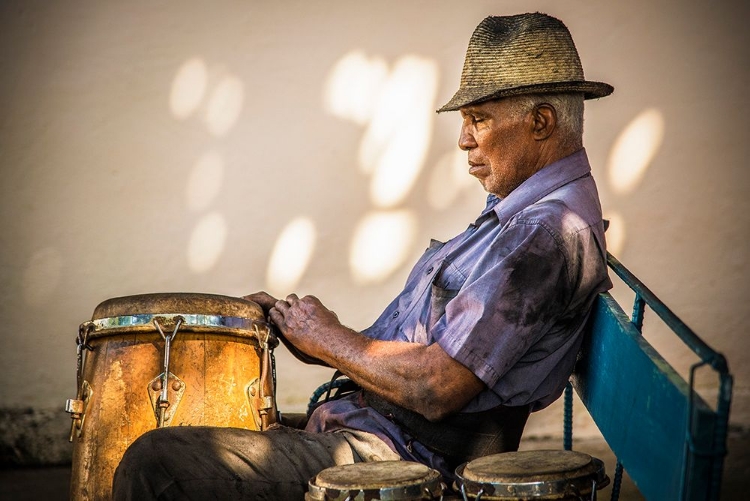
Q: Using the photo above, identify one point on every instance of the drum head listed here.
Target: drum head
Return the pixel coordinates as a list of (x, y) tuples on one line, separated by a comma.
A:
[(544, 474), (195, 312), (178, 302), (394, 480)]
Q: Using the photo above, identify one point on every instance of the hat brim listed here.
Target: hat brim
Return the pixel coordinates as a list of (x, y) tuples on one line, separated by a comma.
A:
[(475, 95)]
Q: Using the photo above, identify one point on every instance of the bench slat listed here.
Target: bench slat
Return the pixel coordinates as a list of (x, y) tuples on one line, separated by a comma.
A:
[(640, 405)]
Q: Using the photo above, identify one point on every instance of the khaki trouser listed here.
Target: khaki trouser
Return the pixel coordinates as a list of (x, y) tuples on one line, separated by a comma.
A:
[(230, 463)]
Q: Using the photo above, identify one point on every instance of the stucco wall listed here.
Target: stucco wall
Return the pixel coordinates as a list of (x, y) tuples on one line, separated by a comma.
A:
[(188, 146)]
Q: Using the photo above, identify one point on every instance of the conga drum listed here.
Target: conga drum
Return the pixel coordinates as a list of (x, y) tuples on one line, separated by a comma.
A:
[(158, 360), (386, 480), (532, 475)]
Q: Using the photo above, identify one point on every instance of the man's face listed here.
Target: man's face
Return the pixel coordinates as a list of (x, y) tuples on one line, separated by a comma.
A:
[(502, 150)]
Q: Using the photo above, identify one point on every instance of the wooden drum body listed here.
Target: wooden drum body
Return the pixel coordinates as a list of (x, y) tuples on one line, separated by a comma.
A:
[(159, 360), (532, 475), (377, 480)]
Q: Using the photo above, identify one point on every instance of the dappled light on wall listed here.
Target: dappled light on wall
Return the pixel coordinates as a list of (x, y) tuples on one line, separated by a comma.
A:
[(396, 108), (395, 144), (629, 159), (207, 242), (42, 276), (634, 150), (381, 243), (291, 256), (225, 105), (220, 98), (615, 234), (205, 180), (188, 88), (352, 86)]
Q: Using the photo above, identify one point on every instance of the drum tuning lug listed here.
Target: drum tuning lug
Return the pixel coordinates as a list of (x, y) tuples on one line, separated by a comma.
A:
[(76, 407), (164, 409), (251, 392)]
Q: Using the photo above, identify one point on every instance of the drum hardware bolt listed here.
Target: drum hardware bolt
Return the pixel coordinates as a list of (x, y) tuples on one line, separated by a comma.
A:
[(77, 409), (77, 406), (251, 392), (164, 409), (443, 488), (429, 493), (163, 399), (266, 383), (267, 403)]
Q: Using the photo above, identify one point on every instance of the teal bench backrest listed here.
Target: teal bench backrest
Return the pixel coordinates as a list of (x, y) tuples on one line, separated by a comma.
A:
[(671, 443)]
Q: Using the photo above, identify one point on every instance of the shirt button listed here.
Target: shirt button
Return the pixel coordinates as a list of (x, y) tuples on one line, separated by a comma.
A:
[(429, 270), (395, 315)]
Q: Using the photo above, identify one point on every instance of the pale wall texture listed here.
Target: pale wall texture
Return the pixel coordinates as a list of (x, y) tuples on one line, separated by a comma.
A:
[(180, 146)]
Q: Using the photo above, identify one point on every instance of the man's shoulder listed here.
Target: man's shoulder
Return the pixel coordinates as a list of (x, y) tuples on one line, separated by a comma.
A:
[(565, 223), (570, 208)]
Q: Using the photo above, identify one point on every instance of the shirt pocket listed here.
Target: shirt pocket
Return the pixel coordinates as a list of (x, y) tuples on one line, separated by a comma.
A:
[(418, 269), (445, 286)]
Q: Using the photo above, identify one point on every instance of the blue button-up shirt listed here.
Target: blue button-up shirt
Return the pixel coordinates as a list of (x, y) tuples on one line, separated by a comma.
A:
[(508, 298)]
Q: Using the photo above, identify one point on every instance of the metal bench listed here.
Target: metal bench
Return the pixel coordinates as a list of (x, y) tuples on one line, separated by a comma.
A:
[(670, 441)]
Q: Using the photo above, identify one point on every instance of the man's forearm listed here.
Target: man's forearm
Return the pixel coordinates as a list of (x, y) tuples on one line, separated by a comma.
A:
[(421, 378)]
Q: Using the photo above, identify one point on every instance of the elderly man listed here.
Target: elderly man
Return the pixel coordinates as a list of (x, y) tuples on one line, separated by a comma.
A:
[(488, 325)]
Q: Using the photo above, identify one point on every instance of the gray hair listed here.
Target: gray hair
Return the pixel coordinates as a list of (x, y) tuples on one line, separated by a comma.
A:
[(569, 110)]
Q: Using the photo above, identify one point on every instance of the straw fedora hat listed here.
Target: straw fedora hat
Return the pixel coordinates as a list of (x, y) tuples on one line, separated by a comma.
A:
[(522, 54)]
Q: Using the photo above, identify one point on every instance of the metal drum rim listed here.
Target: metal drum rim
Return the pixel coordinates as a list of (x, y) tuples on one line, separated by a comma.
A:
[(238, 326), (549, 487), (430, 483)]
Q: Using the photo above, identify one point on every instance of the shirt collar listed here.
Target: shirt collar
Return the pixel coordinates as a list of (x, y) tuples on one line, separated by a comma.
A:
[(539, 185)]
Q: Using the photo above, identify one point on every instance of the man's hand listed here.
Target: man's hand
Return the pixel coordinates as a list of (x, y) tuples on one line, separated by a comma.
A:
[(304, 323), (267, 302), (263, 299)]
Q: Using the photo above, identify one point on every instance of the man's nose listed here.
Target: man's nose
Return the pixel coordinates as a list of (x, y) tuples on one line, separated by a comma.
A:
[(466, 139)]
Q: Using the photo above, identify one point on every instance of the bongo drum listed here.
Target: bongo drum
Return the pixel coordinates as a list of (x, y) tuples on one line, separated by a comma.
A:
[(386, 480), (526, 475), (158, 360)]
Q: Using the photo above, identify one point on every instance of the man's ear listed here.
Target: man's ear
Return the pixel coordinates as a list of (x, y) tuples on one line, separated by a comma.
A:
[(545, 121)]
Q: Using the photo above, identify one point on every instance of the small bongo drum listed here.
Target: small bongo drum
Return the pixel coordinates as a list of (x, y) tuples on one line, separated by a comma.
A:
[(386, 480), (527, 475), (157, 360)]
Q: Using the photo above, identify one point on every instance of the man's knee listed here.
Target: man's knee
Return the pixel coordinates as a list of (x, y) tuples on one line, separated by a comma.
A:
[(140, 467), (145, 449)]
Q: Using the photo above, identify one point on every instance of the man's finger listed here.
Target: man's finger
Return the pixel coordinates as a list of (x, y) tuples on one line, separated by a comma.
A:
[(281, 305), (276, 317), (265, 300), (292, 298)]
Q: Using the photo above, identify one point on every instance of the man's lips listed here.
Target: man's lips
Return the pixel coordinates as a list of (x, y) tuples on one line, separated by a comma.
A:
[(475, 168)]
